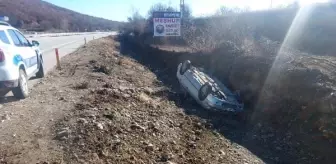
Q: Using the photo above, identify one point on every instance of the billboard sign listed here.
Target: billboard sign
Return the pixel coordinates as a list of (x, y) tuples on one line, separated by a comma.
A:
[(167, 23)]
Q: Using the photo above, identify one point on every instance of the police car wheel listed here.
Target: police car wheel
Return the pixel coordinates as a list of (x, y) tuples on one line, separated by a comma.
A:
[(205, 90), (185, 66), (21, 91)]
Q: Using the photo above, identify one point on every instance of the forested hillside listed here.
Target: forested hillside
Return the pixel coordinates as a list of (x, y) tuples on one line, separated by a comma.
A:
[(39, 15)]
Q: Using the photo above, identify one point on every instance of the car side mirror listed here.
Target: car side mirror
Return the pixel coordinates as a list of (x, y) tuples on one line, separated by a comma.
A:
[(35, 43)]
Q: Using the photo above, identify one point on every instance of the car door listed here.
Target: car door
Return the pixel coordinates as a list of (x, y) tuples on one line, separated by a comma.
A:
[(27, 52)]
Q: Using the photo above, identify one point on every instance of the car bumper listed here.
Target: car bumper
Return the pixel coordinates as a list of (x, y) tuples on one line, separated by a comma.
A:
[(8, 84), (8, 73)]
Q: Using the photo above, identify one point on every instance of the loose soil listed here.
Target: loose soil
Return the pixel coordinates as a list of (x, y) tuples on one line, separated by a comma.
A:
[(115, 101), (289, 96), (127, 116), (103, 107)]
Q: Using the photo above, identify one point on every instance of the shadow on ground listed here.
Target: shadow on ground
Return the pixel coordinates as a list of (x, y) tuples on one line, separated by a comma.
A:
[(8, 99), (268, 145), (6, 96)]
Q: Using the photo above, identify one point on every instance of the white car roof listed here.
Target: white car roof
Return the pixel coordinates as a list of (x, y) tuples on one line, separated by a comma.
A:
[(4, 27)]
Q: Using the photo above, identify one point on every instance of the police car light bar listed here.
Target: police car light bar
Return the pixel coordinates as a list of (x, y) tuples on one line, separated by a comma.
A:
[(4, 18)]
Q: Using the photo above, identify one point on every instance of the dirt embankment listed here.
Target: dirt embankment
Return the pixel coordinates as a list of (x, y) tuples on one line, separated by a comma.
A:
[(105, 107), (292, 94), (128, 116)]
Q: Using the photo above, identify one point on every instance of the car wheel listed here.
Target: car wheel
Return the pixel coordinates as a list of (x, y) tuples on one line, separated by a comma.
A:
[(40, 73), (205, 90), (185, 66), (21, 91)]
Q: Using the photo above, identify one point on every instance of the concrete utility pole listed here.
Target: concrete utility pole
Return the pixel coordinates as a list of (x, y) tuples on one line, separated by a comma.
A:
[(271, 3), (182, 7), (182, 13)]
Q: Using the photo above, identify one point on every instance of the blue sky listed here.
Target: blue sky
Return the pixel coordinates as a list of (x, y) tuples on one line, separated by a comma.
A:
[(120, 9)]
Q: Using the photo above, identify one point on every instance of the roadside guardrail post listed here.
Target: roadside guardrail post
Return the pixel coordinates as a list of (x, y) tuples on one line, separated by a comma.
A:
[(58, 64)]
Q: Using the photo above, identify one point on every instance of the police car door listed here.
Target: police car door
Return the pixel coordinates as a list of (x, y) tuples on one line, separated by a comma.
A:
[(27, 52)]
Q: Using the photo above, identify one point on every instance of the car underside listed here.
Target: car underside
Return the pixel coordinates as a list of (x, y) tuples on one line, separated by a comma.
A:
[(207, 90)]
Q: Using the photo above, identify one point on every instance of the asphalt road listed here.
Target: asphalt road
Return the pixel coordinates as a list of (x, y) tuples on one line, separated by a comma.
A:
[(65, 45)]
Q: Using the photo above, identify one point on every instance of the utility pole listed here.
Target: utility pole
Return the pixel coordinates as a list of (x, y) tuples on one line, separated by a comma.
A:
[(271, 4), (182, 14), (182, 7)]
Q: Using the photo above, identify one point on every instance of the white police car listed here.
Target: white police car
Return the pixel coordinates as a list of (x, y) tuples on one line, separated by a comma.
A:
[(19, 60)]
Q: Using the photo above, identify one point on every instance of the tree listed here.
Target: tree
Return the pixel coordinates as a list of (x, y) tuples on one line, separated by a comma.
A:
[(136, 24), (64, 24), (187, 13), (45, 25), (226, 11), (294, 5)]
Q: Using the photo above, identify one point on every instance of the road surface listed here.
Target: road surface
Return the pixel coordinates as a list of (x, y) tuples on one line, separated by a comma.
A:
[(65, 45)]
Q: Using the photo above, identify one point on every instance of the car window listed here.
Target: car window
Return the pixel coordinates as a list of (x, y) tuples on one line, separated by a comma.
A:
[(3, 37), (15, 39), (22, 39)]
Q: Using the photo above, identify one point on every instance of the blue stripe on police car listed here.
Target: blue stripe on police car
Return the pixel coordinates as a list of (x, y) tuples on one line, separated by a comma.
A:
[(17, 59)]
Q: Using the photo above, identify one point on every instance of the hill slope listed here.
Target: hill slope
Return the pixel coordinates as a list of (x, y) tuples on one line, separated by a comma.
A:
[(42, 16)]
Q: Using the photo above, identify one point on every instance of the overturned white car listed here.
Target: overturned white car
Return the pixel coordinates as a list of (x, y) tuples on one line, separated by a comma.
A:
[(206, 90)]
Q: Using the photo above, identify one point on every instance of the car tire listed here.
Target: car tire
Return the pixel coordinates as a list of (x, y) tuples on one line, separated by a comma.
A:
[(21, 91), (185, 66), (40, 73), (204, 91)]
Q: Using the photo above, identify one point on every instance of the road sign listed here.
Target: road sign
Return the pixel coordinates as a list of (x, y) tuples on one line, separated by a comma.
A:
[(167, 23)]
